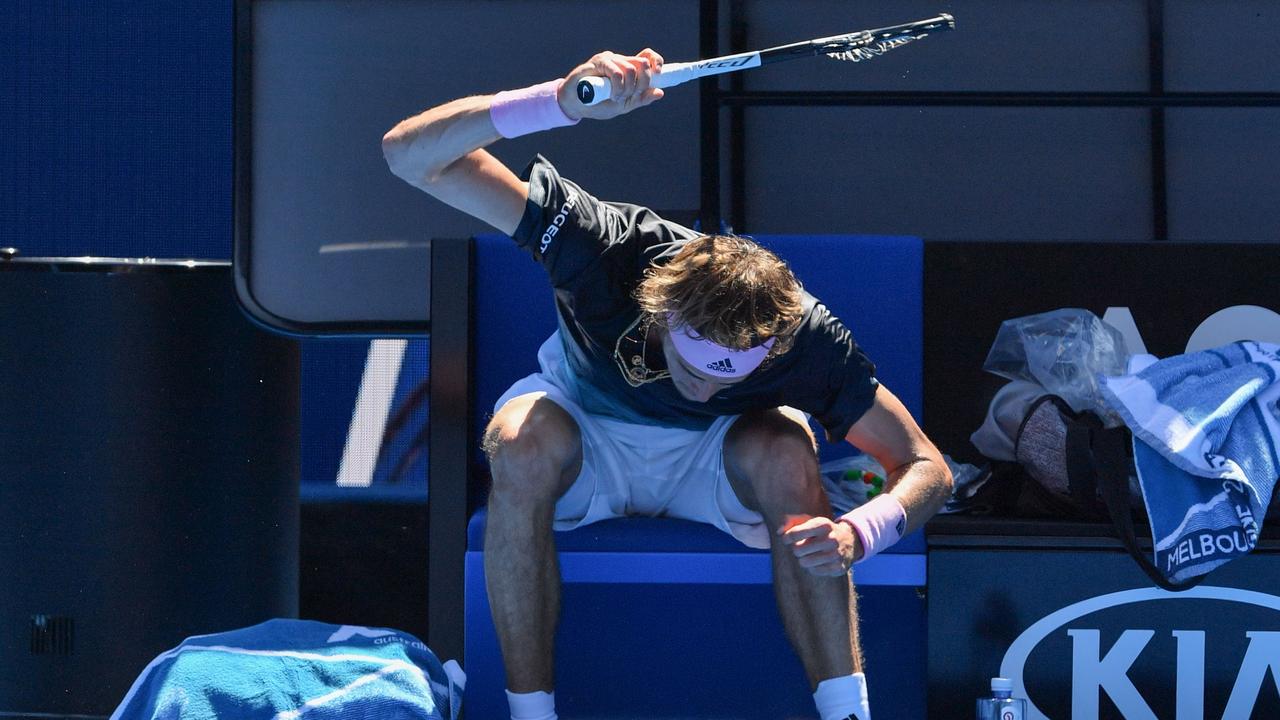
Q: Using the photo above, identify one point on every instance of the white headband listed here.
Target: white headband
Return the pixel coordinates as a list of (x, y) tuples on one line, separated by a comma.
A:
[(712, 359)]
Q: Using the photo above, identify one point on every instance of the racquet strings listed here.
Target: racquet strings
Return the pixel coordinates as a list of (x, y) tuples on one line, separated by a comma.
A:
[(870, 52)]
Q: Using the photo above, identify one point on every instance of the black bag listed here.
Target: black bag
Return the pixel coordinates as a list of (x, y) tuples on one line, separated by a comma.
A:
[(1080, 469)]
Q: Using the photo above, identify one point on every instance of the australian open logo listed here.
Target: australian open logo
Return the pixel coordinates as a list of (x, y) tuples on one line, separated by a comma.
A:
[(1144, 654), (396, 639)]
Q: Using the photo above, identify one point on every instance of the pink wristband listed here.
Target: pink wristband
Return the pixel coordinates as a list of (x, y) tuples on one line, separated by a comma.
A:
[(879, 524), (528, 110)]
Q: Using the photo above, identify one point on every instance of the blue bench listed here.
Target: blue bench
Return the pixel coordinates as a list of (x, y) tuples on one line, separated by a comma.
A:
[(657, 611)]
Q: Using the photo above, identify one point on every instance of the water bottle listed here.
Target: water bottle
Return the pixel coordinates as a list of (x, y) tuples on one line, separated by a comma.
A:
[(1001, 705)]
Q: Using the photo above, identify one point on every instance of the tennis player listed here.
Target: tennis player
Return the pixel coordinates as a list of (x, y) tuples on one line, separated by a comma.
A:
[(677, 384)]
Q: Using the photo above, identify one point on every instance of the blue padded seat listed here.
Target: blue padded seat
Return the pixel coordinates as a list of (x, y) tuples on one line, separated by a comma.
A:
[(874, 285), (667, 535)]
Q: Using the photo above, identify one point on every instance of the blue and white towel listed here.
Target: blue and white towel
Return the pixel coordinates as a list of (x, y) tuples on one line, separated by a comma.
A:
[(286, 669), (1206, 429)]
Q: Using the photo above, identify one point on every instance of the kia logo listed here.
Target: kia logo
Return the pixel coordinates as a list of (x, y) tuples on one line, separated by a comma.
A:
[(1095, 669)]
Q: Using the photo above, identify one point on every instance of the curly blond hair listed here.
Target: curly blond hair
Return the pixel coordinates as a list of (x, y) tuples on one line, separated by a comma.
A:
[(727, 289)]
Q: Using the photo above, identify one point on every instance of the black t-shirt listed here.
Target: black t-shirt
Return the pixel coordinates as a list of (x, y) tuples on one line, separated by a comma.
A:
[(596, 252)]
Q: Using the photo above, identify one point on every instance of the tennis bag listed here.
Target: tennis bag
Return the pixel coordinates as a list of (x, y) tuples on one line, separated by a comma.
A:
[(1079, 469)]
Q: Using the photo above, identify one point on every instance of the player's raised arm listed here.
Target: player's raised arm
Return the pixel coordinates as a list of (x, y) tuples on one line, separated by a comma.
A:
[(440, 150)]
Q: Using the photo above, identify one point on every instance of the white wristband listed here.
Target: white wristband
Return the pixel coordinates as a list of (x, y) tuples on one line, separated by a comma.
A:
[(879, 523)]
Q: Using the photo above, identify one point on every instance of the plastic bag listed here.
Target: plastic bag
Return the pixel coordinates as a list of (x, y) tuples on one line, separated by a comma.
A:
[(852, 481), (1064, 351), (966, 481)]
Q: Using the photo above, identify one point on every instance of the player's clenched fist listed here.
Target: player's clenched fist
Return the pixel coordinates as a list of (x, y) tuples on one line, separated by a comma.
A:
[(629, 75), (821, 545)]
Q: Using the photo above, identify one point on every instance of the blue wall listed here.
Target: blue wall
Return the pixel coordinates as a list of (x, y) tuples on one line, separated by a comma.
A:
[(115, 124), (116, 140)]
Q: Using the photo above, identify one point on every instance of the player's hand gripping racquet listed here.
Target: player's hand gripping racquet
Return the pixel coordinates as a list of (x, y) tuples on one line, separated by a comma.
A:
[(852, 47)]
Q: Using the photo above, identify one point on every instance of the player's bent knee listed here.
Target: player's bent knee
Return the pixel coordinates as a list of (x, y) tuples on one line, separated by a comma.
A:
[(773, 465), (768, 438), (534, 448)]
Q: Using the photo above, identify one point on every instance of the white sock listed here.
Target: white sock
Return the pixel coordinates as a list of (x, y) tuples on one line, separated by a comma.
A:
[(838, 698), (532, 706)]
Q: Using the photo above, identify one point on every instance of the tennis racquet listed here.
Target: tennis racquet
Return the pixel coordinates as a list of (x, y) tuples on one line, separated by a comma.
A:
[(851, 47)]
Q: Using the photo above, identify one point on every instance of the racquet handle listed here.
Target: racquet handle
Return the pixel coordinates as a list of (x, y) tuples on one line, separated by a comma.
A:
[(595, 90)]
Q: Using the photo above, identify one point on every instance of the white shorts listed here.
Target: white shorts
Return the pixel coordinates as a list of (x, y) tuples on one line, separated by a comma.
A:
[(630, 469)]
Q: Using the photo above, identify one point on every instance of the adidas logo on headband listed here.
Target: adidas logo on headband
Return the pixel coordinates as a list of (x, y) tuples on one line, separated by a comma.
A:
[(698, 351), (723, 366)]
